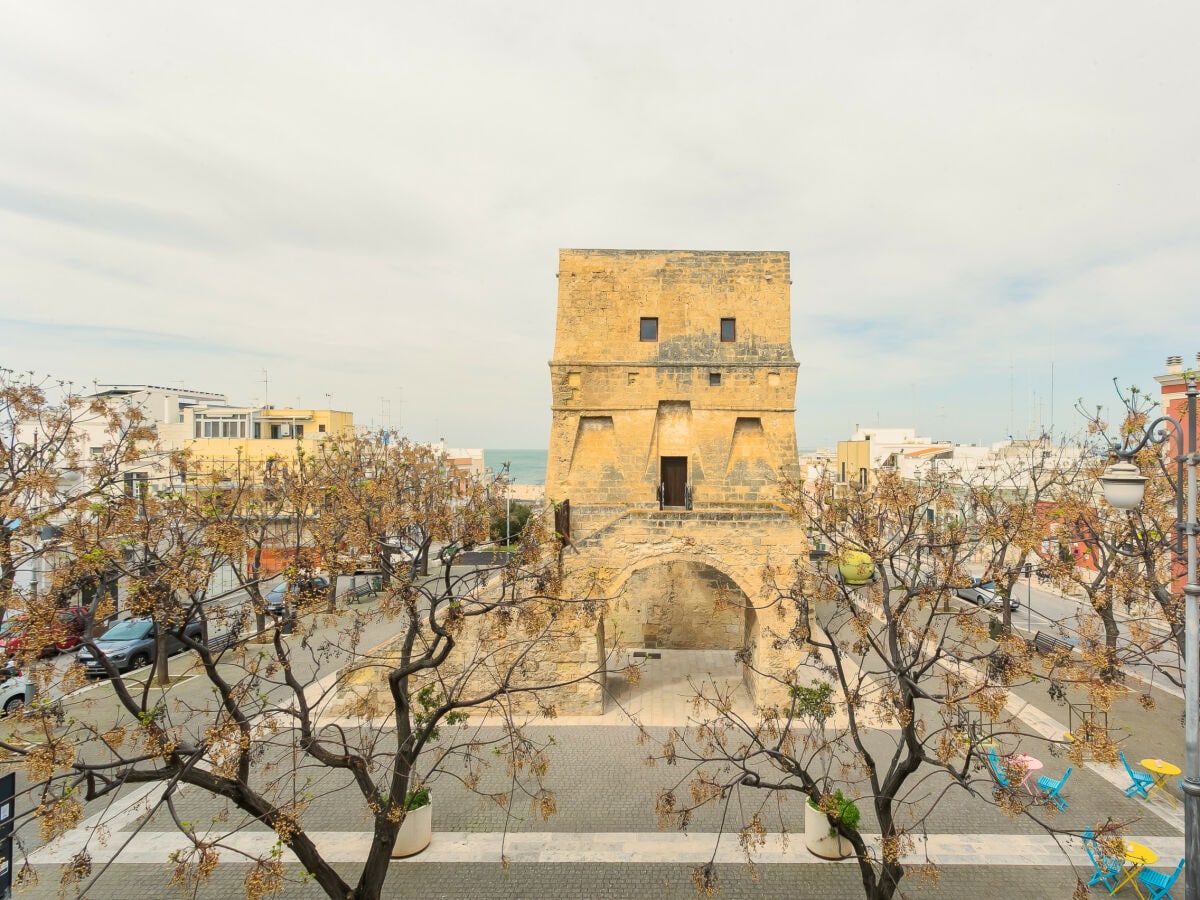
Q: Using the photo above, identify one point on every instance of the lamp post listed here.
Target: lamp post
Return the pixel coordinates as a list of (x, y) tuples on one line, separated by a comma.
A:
[(1123, 487), (507, 508)]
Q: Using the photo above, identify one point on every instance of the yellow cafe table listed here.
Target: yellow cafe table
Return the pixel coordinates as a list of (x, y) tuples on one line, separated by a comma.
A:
[(1137, 857), (1162, 770)]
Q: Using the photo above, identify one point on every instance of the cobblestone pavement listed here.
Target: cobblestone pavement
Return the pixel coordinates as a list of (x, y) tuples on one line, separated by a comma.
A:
[(603, 788), (619, 881), (601, 783)]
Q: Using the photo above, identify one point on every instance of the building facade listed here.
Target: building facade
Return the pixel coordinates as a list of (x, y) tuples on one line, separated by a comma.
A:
[(258, 433)]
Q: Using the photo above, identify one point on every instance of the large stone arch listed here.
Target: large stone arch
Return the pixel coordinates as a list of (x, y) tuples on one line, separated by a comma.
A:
[(744, 546), (686, 601)]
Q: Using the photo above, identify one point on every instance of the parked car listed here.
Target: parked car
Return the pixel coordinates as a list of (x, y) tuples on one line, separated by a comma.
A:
[(64, 634), (16, 689), (277, 600), (983, 593), (130, 645)]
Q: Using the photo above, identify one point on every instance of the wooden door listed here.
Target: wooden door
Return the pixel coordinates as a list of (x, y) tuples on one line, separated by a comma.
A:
[(674, 480)]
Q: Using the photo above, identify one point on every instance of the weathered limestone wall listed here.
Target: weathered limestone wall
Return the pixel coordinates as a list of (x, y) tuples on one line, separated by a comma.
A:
[(745, 547), (620, 404), (675, 606)]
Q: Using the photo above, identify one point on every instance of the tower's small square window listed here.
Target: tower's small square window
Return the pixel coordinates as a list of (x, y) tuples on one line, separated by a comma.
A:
[(728, 330), (714, 379), (649, 329)]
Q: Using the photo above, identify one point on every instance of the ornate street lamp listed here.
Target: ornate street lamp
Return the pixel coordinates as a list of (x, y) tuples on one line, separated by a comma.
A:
[(1123, 488), (1123, 485)]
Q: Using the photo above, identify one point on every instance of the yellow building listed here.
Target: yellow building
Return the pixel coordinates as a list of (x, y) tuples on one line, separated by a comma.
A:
[(854, 462), (231, 432)]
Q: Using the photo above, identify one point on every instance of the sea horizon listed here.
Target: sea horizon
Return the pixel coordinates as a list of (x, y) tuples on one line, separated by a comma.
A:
[(526, 466)]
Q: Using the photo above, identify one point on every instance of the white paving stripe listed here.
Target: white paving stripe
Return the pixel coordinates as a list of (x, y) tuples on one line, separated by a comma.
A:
[(152, 848)]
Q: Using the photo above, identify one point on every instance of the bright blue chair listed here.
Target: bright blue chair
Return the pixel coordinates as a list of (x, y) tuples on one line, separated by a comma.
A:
[(1142, 781), (1159, 883), (997, 769), (1052, 788), (1106, 870)]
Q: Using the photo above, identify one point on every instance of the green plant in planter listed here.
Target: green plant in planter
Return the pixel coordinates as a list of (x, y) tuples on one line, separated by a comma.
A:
[(412, 800), (418, 798), (845, 809)]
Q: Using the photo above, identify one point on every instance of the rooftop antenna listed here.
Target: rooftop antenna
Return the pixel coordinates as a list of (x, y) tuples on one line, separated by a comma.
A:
[(266, 395), (1052, 396)]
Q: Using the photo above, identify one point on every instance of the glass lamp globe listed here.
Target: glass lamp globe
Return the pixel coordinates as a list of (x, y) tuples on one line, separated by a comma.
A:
[(1123, 485)]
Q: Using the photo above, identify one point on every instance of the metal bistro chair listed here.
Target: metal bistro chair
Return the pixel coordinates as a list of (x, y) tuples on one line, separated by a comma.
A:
[(1053, 788), (1142, 781), (1159, 883), (1106, 870)]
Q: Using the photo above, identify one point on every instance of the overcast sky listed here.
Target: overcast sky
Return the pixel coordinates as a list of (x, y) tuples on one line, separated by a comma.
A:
[(367, 199)]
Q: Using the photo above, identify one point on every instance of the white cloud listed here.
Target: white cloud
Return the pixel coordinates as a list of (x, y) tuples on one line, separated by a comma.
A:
[(368, 201)]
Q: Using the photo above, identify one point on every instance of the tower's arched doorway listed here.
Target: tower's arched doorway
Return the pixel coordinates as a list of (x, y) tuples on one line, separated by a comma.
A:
[(680, 622), (679, 605)]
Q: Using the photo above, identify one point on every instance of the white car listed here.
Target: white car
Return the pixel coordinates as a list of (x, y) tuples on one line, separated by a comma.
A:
[(16, 690)]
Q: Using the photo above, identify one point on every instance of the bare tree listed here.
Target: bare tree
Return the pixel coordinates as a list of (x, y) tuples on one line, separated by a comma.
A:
[(58, 452), (465, 642), (1009, 505), (894, 695), (1132, 566)]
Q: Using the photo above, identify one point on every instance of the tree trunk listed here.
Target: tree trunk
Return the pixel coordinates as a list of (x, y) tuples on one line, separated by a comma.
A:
[(1008, 582), (8, 570), (159, 666), (425, 545), (256, 597), (385, 564), (1104, 609)]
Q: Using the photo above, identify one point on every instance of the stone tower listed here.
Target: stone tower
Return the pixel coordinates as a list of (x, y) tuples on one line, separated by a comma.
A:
[(673, 379), (674, 386)]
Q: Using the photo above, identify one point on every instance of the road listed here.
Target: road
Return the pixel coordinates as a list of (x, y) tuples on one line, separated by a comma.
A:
[(325, 648), (1044, 610)]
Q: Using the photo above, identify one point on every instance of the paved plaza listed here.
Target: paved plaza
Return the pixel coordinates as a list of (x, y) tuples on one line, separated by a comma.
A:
[(604, 841)]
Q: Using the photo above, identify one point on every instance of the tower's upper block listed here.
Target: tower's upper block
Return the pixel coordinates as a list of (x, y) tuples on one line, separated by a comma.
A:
[(673, 379), (604, 296)]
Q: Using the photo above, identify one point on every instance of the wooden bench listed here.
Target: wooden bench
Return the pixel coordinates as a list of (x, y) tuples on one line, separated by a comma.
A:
[(1047, 643)]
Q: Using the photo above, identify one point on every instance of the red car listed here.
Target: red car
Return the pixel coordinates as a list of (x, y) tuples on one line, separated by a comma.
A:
[(66, 634)]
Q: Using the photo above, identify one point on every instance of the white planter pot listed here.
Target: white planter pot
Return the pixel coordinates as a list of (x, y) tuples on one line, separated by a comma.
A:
[(819, 841), (416, 831)]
